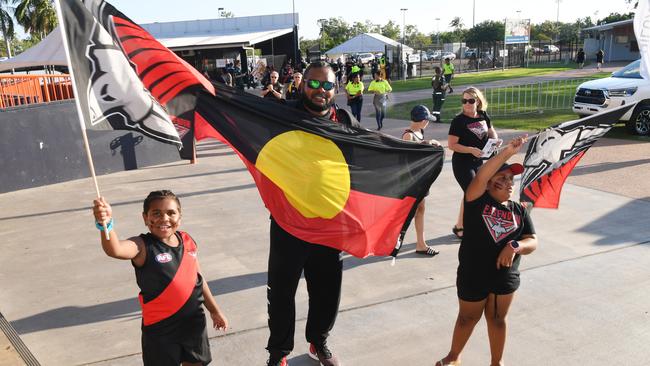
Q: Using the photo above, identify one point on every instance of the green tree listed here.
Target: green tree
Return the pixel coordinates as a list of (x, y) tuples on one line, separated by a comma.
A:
[(615, 17), (391, 30), (7, 27), (365, 27), (487, 31), (334, 31), (415, 39), (37, 17), (545, 31), (306, 44)]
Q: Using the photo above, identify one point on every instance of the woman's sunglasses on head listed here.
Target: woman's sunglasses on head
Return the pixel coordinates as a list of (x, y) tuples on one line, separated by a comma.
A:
[(470, 101), (315, 84)]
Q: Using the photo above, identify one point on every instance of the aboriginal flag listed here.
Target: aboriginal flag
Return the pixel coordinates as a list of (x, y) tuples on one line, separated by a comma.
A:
[(553, 153), (323, 182), (125, 79)]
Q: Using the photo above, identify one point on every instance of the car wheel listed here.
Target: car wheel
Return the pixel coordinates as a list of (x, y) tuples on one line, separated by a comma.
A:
[(639, 124)]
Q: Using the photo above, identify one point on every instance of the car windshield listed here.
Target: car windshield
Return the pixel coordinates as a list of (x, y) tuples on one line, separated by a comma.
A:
[(630, 71)]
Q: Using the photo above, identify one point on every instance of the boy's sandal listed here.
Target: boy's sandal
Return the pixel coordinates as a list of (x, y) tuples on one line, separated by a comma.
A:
[(429, 252), (457, 231)]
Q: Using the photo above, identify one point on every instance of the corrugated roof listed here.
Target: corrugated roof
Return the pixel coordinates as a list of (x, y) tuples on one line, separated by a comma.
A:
[(222, 40), (608, 26)]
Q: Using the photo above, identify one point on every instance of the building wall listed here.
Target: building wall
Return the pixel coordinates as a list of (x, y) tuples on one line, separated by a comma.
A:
[(42, 145), (619, 44)]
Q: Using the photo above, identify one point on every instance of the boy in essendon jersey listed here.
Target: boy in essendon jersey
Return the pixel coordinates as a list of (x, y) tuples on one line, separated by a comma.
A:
[(172, 289)]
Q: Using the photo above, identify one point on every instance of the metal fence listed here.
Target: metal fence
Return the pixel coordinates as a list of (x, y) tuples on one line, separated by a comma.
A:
[(532, 98), (492, 55), (19, 90)]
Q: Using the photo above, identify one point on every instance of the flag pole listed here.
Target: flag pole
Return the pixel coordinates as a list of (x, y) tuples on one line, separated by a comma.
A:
[(91, 166)]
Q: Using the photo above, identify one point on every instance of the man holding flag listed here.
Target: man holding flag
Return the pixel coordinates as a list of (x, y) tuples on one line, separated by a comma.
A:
[(290, 256)]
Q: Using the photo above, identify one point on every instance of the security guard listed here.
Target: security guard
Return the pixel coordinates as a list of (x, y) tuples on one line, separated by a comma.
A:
[(448, 73)]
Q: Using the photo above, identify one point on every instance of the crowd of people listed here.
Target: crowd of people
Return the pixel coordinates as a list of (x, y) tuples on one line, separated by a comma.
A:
[(494, 232)]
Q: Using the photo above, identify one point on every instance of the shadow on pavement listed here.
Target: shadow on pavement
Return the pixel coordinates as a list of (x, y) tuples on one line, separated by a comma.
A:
[(603, 167), (618, 219)]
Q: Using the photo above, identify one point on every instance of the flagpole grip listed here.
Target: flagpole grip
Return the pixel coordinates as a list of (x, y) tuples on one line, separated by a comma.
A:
[(106, 234)]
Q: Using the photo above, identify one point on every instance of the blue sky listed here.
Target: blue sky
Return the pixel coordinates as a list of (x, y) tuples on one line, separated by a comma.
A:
[(422, 13)]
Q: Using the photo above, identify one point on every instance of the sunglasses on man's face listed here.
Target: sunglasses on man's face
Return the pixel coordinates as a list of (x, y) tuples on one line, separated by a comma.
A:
[(315, 84), (470, 101)]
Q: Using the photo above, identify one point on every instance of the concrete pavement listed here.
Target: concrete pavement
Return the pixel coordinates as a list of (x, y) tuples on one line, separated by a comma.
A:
[(584, 295)]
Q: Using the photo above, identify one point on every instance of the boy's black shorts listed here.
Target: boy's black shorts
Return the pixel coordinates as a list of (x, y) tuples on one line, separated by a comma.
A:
[(475, 287), (191, 345)]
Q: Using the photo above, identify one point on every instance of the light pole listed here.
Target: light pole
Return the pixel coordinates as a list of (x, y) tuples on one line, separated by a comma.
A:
[(295, 33), (438, 32), (557, 21), (473, 12), (320, 39), (401, 53)]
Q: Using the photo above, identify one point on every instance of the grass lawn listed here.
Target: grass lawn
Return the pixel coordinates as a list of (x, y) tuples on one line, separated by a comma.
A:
[(483, 76)]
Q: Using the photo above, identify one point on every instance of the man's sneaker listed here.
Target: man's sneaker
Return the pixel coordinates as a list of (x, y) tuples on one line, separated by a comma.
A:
[(282, 362), (322, 354)]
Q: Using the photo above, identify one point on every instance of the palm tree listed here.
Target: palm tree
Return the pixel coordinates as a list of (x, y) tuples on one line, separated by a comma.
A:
[(38, 17), (456, 23), (6, 25)]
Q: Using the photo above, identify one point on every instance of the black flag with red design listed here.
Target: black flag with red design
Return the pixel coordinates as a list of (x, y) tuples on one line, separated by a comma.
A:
[(347, 188), (554, 152), (124, 77)]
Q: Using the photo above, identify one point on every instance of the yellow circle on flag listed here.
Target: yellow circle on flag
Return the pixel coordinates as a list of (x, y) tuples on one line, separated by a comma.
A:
[(310, 170)]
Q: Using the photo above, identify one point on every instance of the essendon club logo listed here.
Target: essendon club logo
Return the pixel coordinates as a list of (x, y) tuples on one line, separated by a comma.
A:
[(499, 223), (163, 258)]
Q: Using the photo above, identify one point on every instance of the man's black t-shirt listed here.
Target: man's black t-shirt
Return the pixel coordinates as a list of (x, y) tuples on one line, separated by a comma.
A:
[(278, 88), (489, 226), (472, 132)]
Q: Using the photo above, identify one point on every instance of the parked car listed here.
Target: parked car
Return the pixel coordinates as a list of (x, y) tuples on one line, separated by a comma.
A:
[(365, 57), (472, 52), (424, 56), (549, 48), (448, 55), (434, 55), (625, 86)]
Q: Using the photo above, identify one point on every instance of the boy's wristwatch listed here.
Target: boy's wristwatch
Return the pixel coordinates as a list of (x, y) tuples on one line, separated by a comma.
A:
[(515, 246)]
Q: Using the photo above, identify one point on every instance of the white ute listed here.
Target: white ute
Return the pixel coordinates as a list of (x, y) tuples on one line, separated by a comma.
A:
[(625, 86)]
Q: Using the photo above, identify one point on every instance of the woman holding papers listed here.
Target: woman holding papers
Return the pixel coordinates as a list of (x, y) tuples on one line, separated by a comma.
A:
[(469, 133)]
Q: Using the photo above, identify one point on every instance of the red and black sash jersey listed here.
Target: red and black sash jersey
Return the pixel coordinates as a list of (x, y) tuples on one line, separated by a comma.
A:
[(171, 289), (489, 226)]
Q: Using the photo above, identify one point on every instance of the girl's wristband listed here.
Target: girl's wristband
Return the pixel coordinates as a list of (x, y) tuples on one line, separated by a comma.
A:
[(109, 225)]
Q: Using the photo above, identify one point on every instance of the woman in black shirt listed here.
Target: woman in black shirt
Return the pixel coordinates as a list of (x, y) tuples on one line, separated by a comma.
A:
[(499, 232), (468, 134)]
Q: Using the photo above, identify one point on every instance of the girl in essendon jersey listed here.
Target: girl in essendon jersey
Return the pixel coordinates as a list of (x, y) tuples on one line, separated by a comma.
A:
[(172, 289)]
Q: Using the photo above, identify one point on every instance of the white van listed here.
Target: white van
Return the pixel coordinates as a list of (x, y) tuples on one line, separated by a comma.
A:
[(625, 86), (366, 57)]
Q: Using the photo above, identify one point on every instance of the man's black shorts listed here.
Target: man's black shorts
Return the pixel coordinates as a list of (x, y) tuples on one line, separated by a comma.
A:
[(476, 287)]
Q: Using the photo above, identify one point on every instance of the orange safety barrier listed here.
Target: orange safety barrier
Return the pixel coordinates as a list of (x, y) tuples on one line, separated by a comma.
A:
[(18, 90)]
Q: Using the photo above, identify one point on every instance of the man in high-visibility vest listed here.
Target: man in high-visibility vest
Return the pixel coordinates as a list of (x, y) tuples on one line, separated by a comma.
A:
[(448, 73)]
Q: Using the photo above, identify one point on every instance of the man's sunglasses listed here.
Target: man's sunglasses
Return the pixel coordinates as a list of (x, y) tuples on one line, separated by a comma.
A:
[(315, 84), (470, 101)]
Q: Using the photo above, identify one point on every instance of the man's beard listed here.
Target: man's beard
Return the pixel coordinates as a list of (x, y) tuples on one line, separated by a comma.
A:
[(317, 107)]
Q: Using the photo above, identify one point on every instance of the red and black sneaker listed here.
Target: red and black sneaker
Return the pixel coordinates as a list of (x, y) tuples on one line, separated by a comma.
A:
[(322, 354)]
